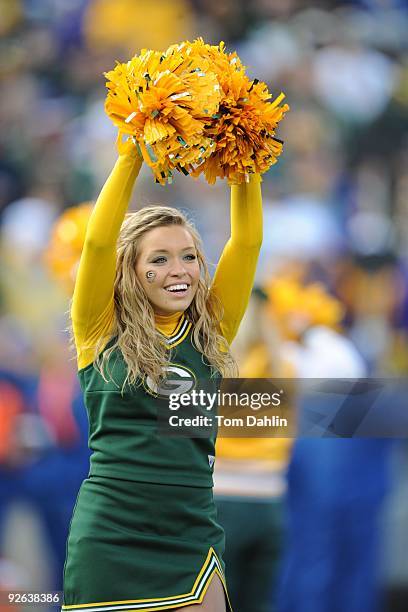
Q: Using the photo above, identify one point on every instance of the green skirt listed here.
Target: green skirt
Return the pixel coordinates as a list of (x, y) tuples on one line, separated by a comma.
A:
[(141, 546)]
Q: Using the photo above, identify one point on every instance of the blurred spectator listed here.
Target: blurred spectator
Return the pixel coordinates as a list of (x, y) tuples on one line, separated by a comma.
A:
[(47, 455), (336, 487), (250, 477)]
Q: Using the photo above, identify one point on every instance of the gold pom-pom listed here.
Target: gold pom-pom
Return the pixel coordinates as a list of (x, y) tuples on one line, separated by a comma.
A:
[(295, 306), (323, 308), (244, 127), (163, 101), (65, 247), (193, 108)]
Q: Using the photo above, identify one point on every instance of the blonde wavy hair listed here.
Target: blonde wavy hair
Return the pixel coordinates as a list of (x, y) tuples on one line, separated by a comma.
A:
[(134, 331)]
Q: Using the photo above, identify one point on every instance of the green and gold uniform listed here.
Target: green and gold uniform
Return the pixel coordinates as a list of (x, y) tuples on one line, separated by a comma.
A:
[(144, 534)]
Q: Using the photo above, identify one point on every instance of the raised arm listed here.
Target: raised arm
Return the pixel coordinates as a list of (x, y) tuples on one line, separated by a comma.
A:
[(234, 276), (92, 304)]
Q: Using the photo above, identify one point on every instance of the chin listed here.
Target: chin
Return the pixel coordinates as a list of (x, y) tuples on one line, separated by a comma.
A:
[(181, 306)]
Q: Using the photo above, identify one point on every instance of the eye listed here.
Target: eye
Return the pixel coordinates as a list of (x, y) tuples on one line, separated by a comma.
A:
[(159, 260), (190, 257)]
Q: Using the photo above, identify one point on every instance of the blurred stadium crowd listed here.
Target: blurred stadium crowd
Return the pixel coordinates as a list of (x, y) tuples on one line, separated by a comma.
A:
[(336, 212)]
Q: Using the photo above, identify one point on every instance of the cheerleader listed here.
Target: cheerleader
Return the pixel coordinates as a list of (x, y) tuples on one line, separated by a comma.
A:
[(144, 534)]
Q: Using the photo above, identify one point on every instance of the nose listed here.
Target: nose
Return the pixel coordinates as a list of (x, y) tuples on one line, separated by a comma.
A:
[(177, 268)]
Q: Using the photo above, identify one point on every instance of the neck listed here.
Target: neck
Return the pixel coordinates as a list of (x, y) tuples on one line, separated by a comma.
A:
[(166, 324)]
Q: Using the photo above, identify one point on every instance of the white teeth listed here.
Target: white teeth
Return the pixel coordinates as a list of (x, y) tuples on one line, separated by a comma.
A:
[(177, 287)]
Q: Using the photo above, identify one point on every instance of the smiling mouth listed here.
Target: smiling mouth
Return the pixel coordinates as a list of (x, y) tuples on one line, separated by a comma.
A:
[(179, 289)]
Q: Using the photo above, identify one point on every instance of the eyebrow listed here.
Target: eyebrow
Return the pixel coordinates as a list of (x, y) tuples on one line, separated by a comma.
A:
[(165, 251)]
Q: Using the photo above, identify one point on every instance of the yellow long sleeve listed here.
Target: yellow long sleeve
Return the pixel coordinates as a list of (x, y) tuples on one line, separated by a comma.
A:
[(234, 276), (92, 304)]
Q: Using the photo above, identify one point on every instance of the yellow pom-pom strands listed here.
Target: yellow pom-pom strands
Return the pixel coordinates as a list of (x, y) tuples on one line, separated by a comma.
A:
[(164, 101), (194, 109), (244, 127)]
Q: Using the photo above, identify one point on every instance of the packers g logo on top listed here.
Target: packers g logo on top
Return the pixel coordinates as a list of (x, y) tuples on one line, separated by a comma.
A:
[(179, 379)]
